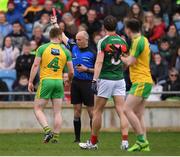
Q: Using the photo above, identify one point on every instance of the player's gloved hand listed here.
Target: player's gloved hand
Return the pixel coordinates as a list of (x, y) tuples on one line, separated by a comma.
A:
[(94, 86), (118, 50), (124, 48)]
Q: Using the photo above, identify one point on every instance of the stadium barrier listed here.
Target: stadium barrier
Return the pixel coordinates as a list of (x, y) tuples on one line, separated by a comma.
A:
[(19, 116)]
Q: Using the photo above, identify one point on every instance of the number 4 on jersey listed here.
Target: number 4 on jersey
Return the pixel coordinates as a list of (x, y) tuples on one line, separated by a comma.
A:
[(54, 64)]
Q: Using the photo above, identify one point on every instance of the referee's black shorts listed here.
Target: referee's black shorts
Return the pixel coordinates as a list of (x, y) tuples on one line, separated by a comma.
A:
[(81, 92)]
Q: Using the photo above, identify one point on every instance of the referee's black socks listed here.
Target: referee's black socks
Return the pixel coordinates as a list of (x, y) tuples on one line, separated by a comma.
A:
[(77, 128)]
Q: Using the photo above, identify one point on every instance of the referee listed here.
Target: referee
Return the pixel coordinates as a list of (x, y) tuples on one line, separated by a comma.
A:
[(83, 59), (83, 62)]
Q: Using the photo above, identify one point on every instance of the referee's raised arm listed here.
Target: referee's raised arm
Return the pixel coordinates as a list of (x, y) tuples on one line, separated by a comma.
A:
[(55, 24)]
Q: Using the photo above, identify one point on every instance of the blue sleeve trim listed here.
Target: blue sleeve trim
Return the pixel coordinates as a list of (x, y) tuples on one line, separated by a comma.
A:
[(70, 44)]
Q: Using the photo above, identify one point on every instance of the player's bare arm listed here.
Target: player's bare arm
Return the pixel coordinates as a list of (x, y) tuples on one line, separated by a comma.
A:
[(66, 79), (130, 60), (70, 70), (98, 65), (33, 73)]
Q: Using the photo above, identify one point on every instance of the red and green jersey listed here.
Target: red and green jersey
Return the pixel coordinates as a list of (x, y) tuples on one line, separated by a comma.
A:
[(53, 59), (112, 47)]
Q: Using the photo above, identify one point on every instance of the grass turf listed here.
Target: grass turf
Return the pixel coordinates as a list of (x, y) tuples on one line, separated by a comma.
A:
[(161, 143)]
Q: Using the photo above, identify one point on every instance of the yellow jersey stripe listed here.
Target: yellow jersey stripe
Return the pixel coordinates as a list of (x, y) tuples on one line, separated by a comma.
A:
[(139, 89), (39, 89)]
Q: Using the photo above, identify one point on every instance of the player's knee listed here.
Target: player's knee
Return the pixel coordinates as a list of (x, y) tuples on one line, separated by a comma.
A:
[(37, 107), (96, 113), (139, 115), (90, 112), (91, 115), (57, 124), (126, 110), (119, 109)]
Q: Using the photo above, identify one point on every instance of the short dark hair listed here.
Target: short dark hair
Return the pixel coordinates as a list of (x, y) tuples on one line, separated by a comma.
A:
[(133, 24), (16, 22), (164, 40), (55, 32), (110, 23)]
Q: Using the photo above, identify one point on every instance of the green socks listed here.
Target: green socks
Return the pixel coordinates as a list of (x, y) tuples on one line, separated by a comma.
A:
[(141, 138), (56, 136), (46, 129)]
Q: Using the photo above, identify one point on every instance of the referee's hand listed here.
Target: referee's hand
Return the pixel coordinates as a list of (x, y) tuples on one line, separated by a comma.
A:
[(94, 86), (81, 68)]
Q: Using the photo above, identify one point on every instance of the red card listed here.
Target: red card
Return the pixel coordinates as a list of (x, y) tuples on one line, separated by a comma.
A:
[(54, 11)]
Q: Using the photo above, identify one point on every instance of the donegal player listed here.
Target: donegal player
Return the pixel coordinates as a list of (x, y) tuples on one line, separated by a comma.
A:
[(140, 76), (51, 58)]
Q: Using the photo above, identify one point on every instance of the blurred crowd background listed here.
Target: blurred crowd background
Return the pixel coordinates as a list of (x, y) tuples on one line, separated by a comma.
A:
[(25, 25)]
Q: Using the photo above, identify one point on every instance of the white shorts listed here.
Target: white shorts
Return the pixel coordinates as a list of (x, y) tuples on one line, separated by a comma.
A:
[(108, 88)]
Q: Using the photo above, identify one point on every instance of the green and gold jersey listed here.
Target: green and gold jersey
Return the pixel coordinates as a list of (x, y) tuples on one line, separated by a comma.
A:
[(111, 46), (140, 71), (53, 59)]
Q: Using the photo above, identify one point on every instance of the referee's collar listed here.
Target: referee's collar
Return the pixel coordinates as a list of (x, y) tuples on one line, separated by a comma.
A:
[(84, 49)]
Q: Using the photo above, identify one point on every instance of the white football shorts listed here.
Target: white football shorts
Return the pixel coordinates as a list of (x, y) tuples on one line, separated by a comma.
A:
[(108, 88)]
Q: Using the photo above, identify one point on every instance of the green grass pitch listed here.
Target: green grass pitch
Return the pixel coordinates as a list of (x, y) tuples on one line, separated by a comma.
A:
[(161, 143)]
